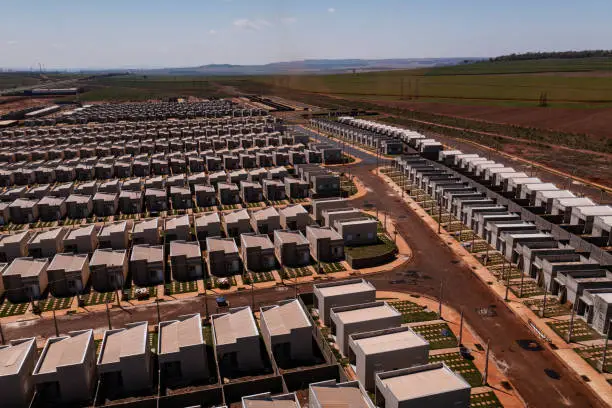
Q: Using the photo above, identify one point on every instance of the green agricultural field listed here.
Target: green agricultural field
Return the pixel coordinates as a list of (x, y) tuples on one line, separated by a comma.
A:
[(528, 66)]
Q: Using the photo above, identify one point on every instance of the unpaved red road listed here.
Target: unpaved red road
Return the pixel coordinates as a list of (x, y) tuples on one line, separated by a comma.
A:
[(432, 264)]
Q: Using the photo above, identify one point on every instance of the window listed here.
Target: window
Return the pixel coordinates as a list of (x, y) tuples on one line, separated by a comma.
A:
[(71, 284)]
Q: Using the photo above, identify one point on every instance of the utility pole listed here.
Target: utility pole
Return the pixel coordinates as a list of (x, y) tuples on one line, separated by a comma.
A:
[(508, 281), (544, 303), (439, 216), (159, 314), (110, 327), (570, 329), (55, 324), (486, 369), (440, 300), (1, 335), (605, 352), (461, 329), (522, 280)]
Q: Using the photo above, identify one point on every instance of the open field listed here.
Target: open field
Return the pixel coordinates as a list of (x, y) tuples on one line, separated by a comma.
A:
[(18, 79)]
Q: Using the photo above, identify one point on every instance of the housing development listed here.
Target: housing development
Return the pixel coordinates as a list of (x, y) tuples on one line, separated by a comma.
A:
[(220, 252)]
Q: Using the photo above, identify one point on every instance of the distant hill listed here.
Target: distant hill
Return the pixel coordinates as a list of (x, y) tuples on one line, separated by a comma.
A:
[(315, 66)]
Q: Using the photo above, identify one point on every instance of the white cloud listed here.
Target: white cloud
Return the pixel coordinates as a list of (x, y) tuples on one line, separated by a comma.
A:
[(288, 20), (331, 10), (11, 42), (212, 32), (254, 25)]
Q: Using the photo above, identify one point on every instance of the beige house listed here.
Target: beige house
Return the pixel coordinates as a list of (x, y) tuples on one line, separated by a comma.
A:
[(115, 236), (342, 293), (364, 317), (25, 279), (430, 385), (66, 369), (178, 228), (222, 256), (236, 223), (257, 251), (181, 349), (326, 245), (328, 393), (207, 225), (147, 265), (185, 260), (68, 274), (105, 204), (237, 339), (79, 206), (287, 331), (125, 357), (23, 211), (357, 231), (146, 232), (45, 244), (265, 221), (14, 245), (291, 248), (294, 217), (318, 206), (385, 350), (130, 201), (82, 240), (52, 208), (109, 268), (17, 361)]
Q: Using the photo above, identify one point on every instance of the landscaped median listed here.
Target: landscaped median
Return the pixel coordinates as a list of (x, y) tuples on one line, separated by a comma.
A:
[(367, 256)]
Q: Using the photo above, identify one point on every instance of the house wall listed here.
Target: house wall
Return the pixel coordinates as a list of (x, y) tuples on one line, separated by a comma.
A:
[(186, 269), (358, 234), (324, 304), (602, 313), (17, 390), (193, 362)]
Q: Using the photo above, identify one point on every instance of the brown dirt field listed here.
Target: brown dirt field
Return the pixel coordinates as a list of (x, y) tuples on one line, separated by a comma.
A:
[(11, 103), (595, 121)]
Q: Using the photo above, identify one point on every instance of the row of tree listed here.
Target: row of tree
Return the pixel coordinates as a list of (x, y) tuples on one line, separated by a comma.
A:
[(553, 55)]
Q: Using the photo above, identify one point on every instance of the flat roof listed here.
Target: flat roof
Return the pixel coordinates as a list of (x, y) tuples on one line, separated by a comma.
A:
[(50, 234), (324, 232), (68, 262), (431, 380), (150, 253), (191, 249), (180, 333), (234, 325), (269, 402), (25, 267), (79, 232), (291, 236), (130, 341), (340, 397), (227, 245), (177, 221), (13, 356), (574, 201), (113, 228), (108, 257), (265, 213), (366, 313), (283, 318), (386, 342), (142, 226), (205, 219), (237, 215), (293, 210), (64, 352), (340, 288), (258, 240), (606, 297)]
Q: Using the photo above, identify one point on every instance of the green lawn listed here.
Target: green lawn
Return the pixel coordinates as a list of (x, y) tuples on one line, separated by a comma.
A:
[(52, 303), (331, 267), (383, 246), (460, 365), (581, 331), (439, 335), (175, 287), (97, 298), (257, 277), (485, 400), (411, 312), (594, 355), (12, 309), (290, 273)]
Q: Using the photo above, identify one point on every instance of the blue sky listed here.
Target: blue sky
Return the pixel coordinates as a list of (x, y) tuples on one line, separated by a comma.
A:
[(155, 33)]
